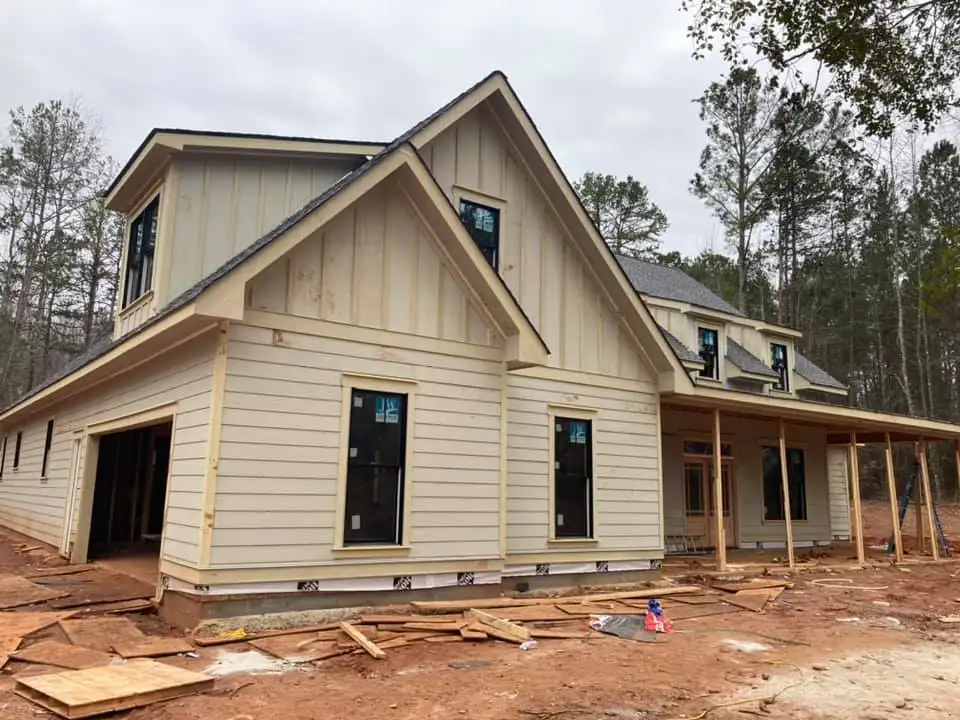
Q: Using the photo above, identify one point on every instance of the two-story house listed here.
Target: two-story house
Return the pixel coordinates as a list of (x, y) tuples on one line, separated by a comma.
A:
[(350, 366)]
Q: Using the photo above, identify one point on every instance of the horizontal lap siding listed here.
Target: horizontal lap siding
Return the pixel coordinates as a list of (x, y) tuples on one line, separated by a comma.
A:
[(280, 444), (627, 475), (837, 458), (183, 377)]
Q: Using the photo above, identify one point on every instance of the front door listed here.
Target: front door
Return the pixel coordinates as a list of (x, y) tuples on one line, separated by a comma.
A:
[(698, 501)]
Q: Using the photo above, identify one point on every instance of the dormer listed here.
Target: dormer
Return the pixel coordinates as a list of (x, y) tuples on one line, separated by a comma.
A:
[(194, 199)]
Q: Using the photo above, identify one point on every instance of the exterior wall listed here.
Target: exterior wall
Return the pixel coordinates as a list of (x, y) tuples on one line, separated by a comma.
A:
[(626, 470), (277, 489), (224, 203), (838, 476), (376, 265), (36, 506), (747, 437), (539, 263)]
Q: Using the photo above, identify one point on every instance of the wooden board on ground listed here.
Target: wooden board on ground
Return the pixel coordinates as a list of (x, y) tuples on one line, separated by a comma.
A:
[(152, 647), (487, 603), (59, 570), (246, 637), (104, 587), (444, 639), (536, 613), (502, 629), (363, 641), (646, 593), (402, 619), (473, 632), (755, 600), (23, 624), (702, 611), (16, 591), (733, 587), (292, 648), (117, 608), (96, 691), (62, 655), (584, 609), (436, 627), (559, 634), (7, 646), (697, 599), (102, 633)]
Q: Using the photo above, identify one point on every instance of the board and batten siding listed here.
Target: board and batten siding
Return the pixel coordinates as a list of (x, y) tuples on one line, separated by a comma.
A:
[(539, 263), (627, 464), (376, 265), (37, 507), (279, 449), (224, 203), (838, 477)]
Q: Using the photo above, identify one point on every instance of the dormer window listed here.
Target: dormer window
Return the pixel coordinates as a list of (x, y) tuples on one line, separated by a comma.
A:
[(709, 340), (141, 243), (483, 224), (780, 365)]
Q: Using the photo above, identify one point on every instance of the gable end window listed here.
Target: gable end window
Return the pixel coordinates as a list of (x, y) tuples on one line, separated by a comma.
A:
[(141, 244), (780, 365), (483, 224), (709, 341), (16, 450), (773, 487), (47, 442), (573, 478)]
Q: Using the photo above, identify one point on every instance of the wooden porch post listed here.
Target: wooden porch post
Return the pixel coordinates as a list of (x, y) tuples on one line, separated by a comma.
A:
[(785, 483), (721, 550), (855, 486), (918, 498), (956, 452), (925, 479), (894, 509)]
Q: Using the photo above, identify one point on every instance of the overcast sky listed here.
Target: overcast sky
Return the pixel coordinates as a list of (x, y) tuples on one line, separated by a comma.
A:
[(610, 83)]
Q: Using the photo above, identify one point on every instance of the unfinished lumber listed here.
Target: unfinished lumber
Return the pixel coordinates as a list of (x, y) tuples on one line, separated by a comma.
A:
[(444, 639), (538, 613), (697, 599), (292, 648), (559, 634), (473, 632), (436, 627), (489, 603), (23, 624), (153, 647), (647, 593), (16, 591), (734, 587), (101, 633), (117, 608), (62, 655), (755, 600), (503, 629), (7, 646), (361, 639), (101, 690), (61, 570), (393, 643), (403, 619), (216, 640)]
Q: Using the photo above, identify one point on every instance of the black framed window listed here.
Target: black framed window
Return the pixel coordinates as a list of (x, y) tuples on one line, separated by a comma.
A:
[(709, 341), (376, 462), (573, 473), (47, 442), (693, 488), (483, 224), (3, 456), (16, 450), (796, 482), (780, 364), (141, 245)]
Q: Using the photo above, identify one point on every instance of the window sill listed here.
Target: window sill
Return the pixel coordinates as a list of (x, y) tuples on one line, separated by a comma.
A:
[(572, 542), (362, 551), (136, 304), (709, 380)]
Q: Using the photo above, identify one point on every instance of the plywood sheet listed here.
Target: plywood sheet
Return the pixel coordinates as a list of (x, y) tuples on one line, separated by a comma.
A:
[(58, 654), (7, 646), (104, 587), (96, 691), (755, 600), (152, 647), (22, 624), (117, 608), (302, 647), (16, 591), (102, 633)]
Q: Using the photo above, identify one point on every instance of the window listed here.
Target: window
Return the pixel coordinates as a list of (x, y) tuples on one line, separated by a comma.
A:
[(778, 361), (700, 447), (483, 224), (46, 448), (772, 487), (16, 450), (140, 248), (3, 456), (376, 460), (693, 488), (573, 472), (709, 349)]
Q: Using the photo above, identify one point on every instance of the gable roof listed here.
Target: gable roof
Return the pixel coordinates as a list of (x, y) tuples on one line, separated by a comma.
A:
[(815, 375), (747, 361), (672, 284)]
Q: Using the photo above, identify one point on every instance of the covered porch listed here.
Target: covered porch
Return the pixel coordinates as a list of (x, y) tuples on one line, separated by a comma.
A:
[(790, 476)]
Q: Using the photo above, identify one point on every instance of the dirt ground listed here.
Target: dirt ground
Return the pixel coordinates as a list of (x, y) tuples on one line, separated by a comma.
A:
[(870, 647)]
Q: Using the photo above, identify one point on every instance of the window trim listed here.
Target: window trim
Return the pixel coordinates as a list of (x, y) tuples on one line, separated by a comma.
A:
[(787, 388), (721, 339), (155, 193), (572, 412), (47, 444), (18, 446), (376, 383), (805, 447), (491, 201)]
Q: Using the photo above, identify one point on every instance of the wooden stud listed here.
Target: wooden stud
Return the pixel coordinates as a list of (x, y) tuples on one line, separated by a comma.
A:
[(918, 500), (362, 641), (785, 484), (502, 629), (925, 479), (721, 549), (855, 487), (894, 503)]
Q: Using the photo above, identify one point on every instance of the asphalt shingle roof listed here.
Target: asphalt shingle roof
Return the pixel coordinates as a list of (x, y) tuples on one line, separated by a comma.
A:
[(816, 375), (747, 361), (672, 284), (683, 352)]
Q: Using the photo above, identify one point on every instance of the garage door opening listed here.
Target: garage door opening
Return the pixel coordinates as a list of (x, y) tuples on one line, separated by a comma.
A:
[(129, 497)]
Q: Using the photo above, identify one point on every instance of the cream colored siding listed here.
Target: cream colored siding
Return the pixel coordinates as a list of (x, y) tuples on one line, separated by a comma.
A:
[(376, 265), (223, 204), (837, 459), (279, 451), (36, 508), (134, 315), (674, 517), (627, 470), (538, 262)]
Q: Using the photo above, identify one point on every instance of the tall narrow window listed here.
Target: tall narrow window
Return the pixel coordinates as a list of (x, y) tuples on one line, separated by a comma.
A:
[(375, 469), (140, 249), (483, 224), (773, 488), (573, 473), (709, 349), (778, 361), (16, 450), (47, 442), (3, 456)]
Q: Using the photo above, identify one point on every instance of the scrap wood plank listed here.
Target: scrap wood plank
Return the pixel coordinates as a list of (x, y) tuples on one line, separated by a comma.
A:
[(362, 641), (436, 627), (246, 637), (7, 646), (100, 690), (755, 600), (62, 655), (16, 591), (480, 604), (541, 613), (292, 648), (698, 599), (587, 609), (23, 624), (560, 634), (473, 632), (402, 619), (101, 633), (59, 570), (117, 608), (152, 647), (733, 587), (503, 629), (647, 593), (444, 639)]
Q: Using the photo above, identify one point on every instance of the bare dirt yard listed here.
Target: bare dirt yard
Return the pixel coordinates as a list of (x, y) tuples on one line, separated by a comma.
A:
[(841, 643)]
